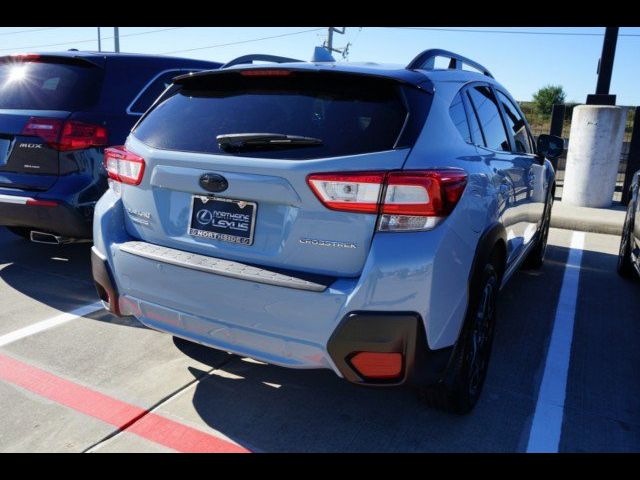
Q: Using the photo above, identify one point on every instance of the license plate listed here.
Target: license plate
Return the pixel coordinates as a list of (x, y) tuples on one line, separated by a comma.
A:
[(222, 219)]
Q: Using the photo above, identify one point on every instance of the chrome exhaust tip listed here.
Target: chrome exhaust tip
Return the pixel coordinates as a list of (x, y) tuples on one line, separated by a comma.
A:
[(48, 238)]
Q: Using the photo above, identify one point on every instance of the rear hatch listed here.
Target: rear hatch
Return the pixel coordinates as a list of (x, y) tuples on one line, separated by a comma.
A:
[(265, 212), (37, 95)]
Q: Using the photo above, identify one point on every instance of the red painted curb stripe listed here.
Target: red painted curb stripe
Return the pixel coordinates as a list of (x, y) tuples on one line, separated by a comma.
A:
[(122, 415)]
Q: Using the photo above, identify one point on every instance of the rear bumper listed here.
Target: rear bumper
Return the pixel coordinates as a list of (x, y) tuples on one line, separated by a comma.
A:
[(387, 332), (393, 304), (61, 219), (397, 332), (103, 281)]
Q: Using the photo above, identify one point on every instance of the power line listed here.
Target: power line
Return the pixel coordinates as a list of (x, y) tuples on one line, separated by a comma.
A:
[(517, 32), (27, 31), (244, 41), (92, 39)]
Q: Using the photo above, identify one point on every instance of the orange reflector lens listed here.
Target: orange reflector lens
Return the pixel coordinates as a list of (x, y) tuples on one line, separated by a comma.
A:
[(378, 364)]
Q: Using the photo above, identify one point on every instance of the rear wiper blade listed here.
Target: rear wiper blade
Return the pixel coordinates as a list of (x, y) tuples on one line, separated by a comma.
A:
[(243, 141)]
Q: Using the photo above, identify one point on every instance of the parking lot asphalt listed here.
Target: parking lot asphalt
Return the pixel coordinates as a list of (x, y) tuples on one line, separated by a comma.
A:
[(101, 384)]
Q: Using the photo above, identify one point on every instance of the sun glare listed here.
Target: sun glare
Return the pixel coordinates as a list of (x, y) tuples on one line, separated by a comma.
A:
[(17, 74)]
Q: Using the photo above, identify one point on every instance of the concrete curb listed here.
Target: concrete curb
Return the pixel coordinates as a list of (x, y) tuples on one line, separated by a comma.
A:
[(595, 220)]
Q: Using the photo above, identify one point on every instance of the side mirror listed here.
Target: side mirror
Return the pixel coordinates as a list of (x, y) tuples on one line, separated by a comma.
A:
[(550, 146)]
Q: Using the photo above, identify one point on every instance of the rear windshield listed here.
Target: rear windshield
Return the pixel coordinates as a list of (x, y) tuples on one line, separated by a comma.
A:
[(349, 114), (48, 86)]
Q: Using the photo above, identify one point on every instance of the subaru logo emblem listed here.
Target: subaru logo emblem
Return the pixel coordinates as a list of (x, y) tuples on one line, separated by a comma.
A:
[(212, 182)]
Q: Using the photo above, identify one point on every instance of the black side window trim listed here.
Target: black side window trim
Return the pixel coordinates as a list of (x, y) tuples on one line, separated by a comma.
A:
[(461, 93), (526, 123), (472, 108), (151, 82), (512, 144)]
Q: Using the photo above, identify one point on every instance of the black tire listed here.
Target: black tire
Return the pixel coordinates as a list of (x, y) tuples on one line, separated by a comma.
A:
[(459, 390), (625, 267), (535, 258), (23, 232)]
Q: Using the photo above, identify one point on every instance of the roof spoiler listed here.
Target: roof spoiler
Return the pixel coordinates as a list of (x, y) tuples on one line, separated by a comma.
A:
[(259, 57), (426, 61)]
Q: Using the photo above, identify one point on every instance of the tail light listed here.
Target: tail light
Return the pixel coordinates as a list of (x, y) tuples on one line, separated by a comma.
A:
[(66, 135), (348, 192), (123, 166), (404, 200), (48, 129)]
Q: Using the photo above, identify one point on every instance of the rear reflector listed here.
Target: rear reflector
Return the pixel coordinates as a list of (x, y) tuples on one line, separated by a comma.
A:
[(123, 166), (263, 72), (66, 135), (377, 364), (405, 200), (41, 203)]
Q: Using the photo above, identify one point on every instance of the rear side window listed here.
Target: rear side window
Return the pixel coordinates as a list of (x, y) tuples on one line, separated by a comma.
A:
[(350, 114), (147, 96), (459, 117), (474, 126), (48, 86), (488, 113), (516, 125)]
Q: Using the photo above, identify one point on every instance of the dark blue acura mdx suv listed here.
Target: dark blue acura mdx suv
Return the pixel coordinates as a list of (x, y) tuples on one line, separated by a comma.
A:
[(58, 111)]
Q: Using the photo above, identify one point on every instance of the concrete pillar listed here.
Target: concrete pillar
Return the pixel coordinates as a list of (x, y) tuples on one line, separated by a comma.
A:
[(595, 145)]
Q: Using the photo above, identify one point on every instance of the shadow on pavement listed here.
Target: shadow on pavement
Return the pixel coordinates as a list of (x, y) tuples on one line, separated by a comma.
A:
[(268, 408), (603, 392), (59, 276)]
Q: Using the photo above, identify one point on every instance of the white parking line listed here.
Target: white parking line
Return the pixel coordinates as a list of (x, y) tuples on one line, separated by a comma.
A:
[(49, 323), (546, 427)]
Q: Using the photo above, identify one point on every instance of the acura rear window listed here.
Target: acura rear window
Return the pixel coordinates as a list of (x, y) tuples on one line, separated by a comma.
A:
[(48, 86), (349, 114)]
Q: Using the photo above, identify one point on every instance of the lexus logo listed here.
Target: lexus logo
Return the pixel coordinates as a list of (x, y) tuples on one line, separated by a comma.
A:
[(212, 182), (204, 217)]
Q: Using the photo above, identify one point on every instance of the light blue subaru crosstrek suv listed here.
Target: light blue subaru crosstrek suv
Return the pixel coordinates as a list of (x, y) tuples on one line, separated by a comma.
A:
[(355, 217)]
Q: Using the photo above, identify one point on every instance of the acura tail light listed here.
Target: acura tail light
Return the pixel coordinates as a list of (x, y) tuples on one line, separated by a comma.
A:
[(48, 129), (404, 200), (66, 135), (123, 166)]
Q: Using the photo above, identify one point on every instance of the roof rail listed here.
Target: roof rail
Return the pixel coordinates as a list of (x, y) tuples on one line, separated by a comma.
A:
[(426, 61), (260, 57)]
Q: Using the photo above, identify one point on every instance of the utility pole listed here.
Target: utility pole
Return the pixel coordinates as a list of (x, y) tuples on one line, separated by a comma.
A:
[(605, 68), (330, 39), (329, 43), (99, 41), (116, 39)]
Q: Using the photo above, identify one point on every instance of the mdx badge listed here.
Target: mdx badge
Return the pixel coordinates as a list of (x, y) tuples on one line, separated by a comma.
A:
[(212, 182)]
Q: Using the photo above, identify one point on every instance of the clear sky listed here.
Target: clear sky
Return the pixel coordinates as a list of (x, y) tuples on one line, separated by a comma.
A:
[(521, 62)]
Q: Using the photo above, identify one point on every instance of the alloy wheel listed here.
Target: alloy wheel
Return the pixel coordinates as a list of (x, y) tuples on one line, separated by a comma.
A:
[(480, 338)]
